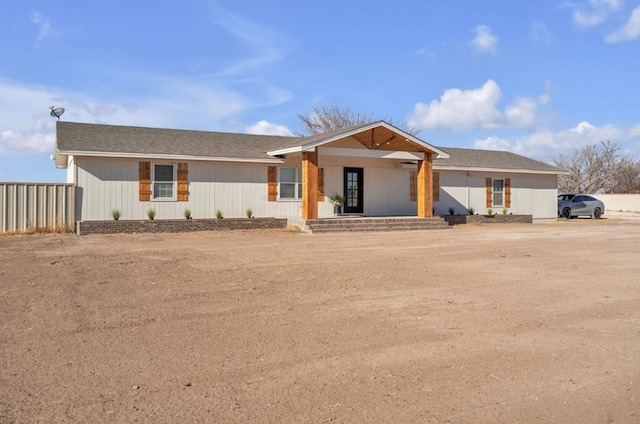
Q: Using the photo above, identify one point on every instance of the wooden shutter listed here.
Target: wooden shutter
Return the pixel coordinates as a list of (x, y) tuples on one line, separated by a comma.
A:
[(272, 182), (413, 186), (489, 192), (507, 192), (144, 181), (183, 181), (436, 186), (320, 184)]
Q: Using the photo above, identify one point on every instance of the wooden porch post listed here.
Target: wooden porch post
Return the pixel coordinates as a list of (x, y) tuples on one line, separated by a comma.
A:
[(425, 187), (310, 185)]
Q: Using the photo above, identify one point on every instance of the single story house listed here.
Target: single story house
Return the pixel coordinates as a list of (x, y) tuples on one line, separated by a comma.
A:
[(378, 168)]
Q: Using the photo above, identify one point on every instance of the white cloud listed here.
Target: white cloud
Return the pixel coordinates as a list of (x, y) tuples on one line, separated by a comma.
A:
[(45, 29), (485, 41), (268, 128), (540, 32), (25, 124), (598, 12), (476, 109), (261, 43), (629, 31), (544, 142)]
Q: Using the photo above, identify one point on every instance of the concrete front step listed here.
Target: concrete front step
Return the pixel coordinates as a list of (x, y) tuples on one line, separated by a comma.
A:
[(334, 225)]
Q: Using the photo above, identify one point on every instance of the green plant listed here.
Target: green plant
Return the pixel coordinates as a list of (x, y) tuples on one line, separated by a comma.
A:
[(504, 211), (471, 211), (336, 200), (452, 210), (187, 213), (219, 214), (249, 213), (151, 213), (489, 211), (115, 214)]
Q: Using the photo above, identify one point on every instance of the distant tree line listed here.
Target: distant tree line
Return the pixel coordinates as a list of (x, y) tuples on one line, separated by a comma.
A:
[(598, 168)]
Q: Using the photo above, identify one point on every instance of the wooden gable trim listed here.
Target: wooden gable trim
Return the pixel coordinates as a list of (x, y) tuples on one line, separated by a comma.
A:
[(144, 181)]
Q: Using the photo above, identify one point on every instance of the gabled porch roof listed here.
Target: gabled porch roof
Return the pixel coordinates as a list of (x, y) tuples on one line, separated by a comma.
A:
[(378, 135)]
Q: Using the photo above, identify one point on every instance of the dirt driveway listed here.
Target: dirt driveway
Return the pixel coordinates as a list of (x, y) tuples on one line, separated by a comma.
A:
[(480, 324)]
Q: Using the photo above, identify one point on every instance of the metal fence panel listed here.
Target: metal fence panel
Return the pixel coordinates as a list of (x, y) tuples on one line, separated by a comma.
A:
[(37, 206)]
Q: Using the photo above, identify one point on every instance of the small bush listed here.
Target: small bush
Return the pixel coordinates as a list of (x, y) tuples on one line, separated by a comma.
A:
[(115, 214), (249, 213), (471, 211), (219, 214), (489, 211), (504, 211), (187, 213), (451, 210), (151, 213)]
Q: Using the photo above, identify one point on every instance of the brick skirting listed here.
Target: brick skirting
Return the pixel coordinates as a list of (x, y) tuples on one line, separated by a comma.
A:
[(176, 225), (488, 219)]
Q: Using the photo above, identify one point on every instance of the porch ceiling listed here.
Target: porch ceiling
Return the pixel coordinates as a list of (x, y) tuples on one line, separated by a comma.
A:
[(382, 138)]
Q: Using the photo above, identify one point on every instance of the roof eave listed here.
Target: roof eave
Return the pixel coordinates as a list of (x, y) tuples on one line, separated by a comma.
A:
[(120, 155), (504, 170)]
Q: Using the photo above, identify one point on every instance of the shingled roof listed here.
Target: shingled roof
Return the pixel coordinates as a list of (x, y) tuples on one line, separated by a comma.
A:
[(75, 138), (123, 141), (491, 159)]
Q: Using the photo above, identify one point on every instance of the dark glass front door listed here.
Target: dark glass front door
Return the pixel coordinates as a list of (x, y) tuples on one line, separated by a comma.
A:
[(353, 184)]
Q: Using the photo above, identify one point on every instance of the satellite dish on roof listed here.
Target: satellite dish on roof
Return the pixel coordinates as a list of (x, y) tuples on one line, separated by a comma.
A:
[(56, 112)]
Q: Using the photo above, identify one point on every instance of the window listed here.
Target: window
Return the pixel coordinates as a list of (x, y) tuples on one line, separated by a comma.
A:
[(163, 180), (291, 183), (498, 192)]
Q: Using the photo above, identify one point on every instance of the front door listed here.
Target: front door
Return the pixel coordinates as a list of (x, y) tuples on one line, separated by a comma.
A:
[(353, 190)]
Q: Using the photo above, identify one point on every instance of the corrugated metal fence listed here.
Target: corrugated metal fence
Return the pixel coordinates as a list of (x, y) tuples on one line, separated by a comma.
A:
[(37, 206)]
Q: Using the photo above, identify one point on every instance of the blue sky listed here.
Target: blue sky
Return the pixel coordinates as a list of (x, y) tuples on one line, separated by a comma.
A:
[(534, 77)]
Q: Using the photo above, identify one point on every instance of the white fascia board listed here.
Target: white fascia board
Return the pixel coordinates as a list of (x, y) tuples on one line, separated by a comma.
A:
[(502, 170), (175, 157), (366, 153), (296, 149)]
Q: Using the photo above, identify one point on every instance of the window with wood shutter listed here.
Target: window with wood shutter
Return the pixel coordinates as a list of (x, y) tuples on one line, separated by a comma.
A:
[(320, 184), (183, 181), (507, 192), (413, 186), (144, 181), (489, 197), (436, 186), (272, 183)]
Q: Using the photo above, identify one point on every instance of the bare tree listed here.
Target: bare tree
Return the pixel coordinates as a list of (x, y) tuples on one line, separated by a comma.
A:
[(627, 176), (324, 119), (592, 168)]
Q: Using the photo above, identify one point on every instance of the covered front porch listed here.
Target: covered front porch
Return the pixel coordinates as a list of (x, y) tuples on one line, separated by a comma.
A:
[(350, 152)]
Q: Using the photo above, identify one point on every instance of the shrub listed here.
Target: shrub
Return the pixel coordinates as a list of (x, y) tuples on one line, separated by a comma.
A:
[(115, 214), (187, 213), (504, 211), (151, 213), (219, 214), (489, 211), (249, 213), (451, 210), (471, 211)]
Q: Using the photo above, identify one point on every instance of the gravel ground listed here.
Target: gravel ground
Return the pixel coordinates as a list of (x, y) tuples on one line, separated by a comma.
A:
[(484, 324)]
